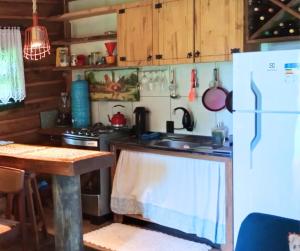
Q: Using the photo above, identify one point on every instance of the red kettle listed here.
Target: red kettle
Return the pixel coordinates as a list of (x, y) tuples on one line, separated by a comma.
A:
[(118, 119)]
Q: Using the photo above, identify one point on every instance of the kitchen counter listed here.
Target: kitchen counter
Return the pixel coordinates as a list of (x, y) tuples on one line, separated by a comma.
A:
[(207, 149), (55, 131), (147, 146), (65, 165), (52, 136)]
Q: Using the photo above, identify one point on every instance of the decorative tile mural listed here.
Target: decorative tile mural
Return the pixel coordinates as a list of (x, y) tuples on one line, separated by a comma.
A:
[(114, 85)]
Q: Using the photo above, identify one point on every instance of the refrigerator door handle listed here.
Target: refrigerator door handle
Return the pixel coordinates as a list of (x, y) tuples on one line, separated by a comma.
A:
[(257, 118)]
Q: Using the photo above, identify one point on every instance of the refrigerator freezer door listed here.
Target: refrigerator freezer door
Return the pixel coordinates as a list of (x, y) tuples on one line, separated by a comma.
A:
[(275, 75), (270, 184)]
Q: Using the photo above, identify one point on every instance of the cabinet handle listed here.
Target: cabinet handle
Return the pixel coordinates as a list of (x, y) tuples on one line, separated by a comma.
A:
[(158, 6), (189, 55), (235, 50), (149, 58), (197, 54), (122, 58)]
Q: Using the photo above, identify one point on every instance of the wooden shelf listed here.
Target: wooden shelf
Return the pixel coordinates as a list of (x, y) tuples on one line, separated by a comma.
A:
[(39, 68), (26, 18), (85, 40), (274, 39), (30, 1), (41, 83), (83, 67), (85, 13), (41, 100)]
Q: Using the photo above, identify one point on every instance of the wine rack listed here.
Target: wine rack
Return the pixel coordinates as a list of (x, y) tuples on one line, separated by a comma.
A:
[(272, 20)]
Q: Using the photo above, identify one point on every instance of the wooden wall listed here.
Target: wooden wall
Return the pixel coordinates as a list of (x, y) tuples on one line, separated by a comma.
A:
[(43, 86)]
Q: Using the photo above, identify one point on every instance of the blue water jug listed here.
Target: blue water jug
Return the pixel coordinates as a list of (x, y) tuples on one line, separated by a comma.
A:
[(80, 103)]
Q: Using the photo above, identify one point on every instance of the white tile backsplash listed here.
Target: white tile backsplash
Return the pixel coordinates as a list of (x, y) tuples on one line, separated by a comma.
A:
[(161, 106), (204, 119), (159, 112), (95, 112)]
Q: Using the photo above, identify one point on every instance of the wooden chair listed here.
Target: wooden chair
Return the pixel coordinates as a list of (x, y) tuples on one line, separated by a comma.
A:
[(12, 184), (33, 199)]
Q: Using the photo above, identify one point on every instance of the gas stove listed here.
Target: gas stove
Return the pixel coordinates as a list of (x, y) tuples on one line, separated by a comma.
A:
[(95, 192), (96, 136), (92, 132)]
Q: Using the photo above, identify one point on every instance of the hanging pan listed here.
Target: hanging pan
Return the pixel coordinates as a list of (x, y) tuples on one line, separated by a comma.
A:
[(214, 97), (228, 102)]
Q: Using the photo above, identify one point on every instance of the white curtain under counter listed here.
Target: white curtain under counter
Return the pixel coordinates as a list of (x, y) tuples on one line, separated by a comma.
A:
[(182, 193)]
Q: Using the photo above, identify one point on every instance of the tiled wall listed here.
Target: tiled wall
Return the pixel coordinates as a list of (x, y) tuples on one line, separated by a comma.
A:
[(161, 106), (158, 102)]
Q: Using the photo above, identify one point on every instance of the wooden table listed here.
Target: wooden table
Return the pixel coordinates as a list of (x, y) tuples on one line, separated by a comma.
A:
[(65, 165)]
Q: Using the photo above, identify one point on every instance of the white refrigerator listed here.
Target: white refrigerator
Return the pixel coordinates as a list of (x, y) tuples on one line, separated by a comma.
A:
[(266, 134)]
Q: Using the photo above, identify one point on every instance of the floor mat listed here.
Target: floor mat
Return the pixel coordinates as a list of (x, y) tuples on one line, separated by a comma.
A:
[(121, 237)]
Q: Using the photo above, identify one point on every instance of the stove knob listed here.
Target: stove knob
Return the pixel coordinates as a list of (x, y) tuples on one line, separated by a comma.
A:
[(72, 131), (80, 133), (93, 134), (87, 134)]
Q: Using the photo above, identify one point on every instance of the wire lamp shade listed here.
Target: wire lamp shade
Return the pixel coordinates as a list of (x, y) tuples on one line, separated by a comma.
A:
[(36, 44)]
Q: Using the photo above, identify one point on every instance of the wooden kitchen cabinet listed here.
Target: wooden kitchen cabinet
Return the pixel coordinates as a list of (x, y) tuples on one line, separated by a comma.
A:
[(173, 29), (218, 29), (158, 32), (135, 34)]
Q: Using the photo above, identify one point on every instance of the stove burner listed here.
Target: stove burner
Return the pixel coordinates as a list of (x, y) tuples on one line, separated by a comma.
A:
[(93, 131)]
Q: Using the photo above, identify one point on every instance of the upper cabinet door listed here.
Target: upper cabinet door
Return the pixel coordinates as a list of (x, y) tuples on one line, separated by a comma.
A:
[(135, 34), (173, 39), (218, 29)]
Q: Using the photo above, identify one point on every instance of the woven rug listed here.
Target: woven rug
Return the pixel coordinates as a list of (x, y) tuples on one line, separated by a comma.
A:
[(120, 237)]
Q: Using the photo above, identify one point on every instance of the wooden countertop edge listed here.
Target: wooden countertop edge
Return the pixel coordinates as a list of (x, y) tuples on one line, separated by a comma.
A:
[(124, 146), (57, 167), (56, 131)]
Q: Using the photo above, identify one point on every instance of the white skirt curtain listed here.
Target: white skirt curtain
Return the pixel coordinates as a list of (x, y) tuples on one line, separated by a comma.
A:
[(12, 80), (182, 193)]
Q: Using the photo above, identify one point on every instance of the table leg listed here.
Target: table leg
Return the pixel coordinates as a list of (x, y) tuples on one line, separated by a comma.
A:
[(67, 213)]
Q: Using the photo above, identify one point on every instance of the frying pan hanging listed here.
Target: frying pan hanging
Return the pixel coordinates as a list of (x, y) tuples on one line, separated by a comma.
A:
[(228, 102), (214, 97)]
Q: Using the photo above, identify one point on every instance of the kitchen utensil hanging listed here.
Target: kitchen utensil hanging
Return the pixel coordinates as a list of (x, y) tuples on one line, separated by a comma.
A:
[(214, 97), (172, 86), (36, 42), (192, 93), (228, 102), (153, 79)]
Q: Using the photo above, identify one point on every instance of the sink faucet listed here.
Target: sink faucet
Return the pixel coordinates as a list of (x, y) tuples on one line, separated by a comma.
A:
[(187, 121)]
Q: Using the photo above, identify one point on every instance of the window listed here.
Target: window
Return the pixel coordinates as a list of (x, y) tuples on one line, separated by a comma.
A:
[(12, 80)]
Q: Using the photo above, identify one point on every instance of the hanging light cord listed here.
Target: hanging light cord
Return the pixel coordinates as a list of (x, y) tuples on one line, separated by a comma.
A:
[(34, 6)]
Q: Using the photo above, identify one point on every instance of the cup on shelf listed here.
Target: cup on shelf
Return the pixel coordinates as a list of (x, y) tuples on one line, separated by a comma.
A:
[(80, 60), (110, 59), (73, 60)]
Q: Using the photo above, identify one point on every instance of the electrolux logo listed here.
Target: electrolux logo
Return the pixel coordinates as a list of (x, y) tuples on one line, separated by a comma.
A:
[(272, 67)]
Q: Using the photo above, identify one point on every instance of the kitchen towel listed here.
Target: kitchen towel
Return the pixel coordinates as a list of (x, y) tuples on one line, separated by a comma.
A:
[(181, 193)]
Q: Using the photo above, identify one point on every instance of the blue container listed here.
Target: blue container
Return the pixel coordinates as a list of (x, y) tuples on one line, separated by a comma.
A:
[(80, 103)]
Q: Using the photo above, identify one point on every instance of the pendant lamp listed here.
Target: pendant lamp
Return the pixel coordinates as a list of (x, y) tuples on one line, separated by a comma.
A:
[(36, 44)]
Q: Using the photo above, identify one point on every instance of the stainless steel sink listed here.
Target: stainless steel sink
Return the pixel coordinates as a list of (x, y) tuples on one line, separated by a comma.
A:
[(182, 144), (178, 144)]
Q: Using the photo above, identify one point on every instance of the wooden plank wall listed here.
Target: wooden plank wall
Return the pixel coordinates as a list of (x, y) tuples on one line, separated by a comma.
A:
[(43, 86)]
